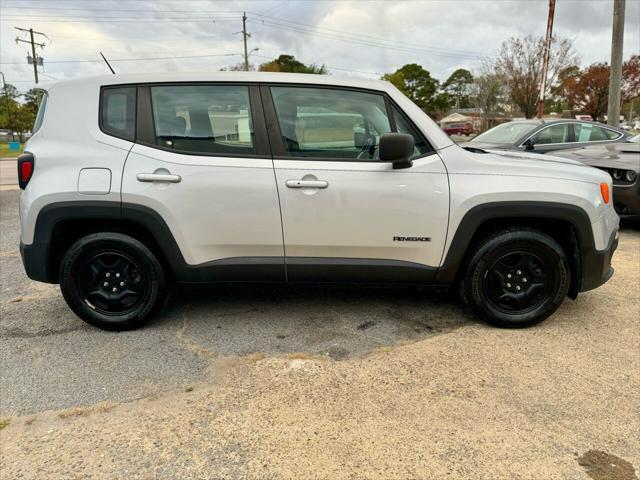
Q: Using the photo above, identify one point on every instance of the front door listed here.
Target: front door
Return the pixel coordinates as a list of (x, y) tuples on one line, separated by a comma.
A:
[(346, 215), (202, 162)]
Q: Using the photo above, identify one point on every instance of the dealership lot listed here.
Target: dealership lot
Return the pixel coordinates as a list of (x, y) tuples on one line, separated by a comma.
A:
[(305, 381)]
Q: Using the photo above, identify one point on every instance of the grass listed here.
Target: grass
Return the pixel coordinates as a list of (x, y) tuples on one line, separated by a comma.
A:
[(103, 407), (4, 422), (5, 152)]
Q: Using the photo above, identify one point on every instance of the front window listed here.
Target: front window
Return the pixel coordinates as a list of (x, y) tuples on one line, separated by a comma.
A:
[(206, 119), (506, 133), (558, 133), (326, 123)]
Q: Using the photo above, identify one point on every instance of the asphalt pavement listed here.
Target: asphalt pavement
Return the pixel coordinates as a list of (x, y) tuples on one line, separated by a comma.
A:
[(50, 359), (8, 171)]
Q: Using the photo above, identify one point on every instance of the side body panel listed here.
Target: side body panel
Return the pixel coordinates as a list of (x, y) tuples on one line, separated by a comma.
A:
[(221, 208), (69, 141), (367, 211)]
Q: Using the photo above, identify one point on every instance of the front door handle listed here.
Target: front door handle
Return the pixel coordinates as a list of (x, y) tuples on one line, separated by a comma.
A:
[(158, 177), (307, 183)]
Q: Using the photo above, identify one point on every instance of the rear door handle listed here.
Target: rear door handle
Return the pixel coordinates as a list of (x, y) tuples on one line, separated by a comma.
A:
[(158, 177), (307, 183)]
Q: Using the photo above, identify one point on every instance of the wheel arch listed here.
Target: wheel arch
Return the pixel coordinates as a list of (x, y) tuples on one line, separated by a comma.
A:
[(60, 224), (567, 224)]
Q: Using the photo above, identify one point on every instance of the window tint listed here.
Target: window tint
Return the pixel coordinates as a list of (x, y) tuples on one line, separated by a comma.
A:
[(119, 112), (41, 109), (558, 133), (326, 123), (588, 132), (206, 119), (403, 126)]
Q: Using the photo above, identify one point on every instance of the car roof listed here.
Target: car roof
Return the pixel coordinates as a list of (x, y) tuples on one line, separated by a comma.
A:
[(551, 121), (242, 77)]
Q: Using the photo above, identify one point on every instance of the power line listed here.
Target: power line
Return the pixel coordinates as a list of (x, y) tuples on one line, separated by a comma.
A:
[(359, 35), (133, 59), (357, 41)]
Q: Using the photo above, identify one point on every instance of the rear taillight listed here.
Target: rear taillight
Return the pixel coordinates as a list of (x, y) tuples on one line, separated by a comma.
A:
[(26, 162)]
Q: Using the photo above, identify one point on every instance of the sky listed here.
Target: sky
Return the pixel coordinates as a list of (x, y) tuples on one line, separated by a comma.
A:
[(353, 38)]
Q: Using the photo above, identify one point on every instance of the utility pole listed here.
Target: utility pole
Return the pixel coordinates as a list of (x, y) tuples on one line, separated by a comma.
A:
[(244, 37), (615, 75), (545, 60), (36, 60)]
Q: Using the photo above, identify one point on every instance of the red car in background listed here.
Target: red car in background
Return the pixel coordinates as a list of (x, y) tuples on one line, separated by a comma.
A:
[(458, 129)]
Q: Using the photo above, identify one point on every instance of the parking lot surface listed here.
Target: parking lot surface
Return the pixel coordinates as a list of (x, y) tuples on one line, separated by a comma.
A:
[(309, 382)]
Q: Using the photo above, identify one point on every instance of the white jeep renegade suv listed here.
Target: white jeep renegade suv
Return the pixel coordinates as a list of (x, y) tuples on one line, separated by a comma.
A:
[(132, 182)]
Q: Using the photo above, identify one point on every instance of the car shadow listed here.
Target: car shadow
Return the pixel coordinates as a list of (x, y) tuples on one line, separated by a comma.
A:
[(334, 321)]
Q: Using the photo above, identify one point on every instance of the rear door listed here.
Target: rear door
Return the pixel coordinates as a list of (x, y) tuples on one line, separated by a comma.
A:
[(202, 162), (347, 215)]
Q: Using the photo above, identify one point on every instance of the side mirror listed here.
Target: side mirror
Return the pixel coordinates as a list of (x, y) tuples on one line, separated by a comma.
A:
[(528, 145), (397, 148)]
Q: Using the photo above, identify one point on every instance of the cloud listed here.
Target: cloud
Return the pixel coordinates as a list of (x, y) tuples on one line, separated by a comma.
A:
[(440, 35)]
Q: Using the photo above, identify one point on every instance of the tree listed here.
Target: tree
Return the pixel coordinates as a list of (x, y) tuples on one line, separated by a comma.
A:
[(586, 90), (418, 84), (520, 63), (458, 87), (238, 67), (631, 78), (487, 93), (288, 63), (8, 106)]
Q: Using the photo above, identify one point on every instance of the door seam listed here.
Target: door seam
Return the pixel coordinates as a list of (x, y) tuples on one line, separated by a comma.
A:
[(275, 179)]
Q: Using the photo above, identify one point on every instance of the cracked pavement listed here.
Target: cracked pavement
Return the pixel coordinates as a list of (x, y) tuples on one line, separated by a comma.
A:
[(52, 360)]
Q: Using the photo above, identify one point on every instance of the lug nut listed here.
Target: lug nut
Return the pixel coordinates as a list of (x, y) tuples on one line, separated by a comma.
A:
[(122, 284), (524, 280), (519, 272), (517, 288), (508, 275), (117, 275), (105, 284), (508, 285), (108, 275), (114, 289)]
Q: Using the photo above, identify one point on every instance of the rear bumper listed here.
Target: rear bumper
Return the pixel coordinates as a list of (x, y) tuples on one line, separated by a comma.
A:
[(36, 262), (596, 265)]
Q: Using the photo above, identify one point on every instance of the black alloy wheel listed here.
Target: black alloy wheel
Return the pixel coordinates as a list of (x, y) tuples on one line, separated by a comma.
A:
[(112, 281)]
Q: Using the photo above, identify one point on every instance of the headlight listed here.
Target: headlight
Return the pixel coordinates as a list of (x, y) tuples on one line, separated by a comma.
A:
[(617, 174), (630, 176)]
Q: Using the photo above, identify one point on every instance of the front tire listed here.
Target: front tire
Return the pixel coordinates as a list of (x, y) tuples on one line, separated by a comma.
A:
[(516, 278), (112, 281)]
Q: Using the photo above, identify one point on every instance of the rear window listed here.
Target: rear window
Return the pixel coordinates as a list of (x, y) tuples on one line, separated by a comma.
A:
[(41, 109), (118, 112)]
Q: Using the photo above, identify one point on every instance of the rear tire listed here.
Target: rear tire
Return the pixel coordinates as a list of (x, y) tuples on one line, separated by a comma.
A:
[(112, 281), (516, 278)]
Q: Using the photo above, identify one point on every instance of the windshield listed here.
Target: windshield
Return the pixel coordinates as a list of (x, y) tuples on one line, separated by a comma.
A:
[(508, 132)]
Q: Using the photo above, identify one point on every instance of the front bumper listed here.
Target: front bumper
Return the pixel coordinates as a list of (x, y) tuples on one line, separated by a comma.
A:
[(626, 199), (596, 265)]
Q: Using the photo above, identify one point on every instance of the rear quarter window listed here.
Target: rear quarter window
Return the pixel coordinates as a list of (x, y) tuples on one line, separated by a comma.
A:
[(118, 112), (41, 109)]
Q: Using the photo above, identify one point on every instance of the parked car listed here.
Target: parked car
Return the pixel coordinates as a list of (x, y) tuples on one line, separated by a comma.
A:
[(459, 129), (622, 162), (542, 136), (133, 181)]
